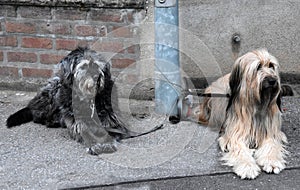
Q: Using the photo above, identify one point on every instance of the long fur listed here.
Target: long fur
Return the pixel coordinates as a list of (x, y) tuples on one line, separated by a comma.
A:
[(250, 120), (79, 97)]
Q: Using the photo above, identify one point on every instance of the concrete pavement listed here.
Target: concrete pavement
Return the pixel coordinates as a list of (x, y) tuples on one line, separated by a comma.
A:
[(181, 156)]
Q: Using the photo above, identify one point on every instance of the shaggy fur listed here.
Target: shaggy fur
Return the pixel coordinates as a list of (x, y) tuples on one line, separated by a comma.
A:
[(79, 97), (250, 120)]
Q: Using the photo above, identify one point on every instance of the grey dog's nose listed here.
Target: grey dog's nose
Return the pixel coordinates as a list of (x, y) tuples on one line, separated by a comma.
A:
[(270, 82)]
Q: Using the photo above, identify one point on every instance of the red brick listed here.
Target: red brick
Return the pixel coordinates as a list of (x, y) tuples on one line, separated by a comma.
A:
[(51, 58), (66, 44), (123, 32), (1, 55), (84, 43), (28, 28), (35, 12), (133, 49), (32, 72), (69, 14), (130, 16), (55, 28), (30, 42), (131, 78), (108, 46), (9, 71), (85, 30), (8, 41), (69, 44), (21, 57), (122, 63), (106, 15)]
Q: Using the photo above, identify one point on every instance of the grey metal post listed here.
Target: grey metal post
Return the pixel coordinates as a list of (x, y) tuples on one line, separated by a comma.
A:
[(167, 56)]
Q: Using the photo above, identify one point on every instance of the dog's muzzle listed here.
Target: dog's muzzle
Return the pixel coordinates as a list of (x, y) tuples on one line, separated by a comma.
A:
[(184, 109), (270, 88), (87, 86), (270, 83), (184, 106)]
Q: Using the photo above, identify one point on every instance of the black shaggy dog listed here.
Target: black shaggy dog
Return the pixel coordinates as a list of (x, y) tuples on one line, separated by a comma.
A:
[(79, 97)]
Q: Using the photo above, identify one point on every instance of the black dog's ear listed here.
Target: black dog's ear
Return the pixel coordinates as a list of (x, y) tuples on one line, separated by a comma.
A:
[(234, 84), (278, 102), (106, 69)]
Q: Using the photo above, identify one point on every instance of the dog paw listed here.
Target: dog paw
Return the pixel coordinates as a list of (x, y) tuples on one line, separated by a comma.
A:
[(247, 170), (223, 144), (102, 148), (270, 166), (75, 131)]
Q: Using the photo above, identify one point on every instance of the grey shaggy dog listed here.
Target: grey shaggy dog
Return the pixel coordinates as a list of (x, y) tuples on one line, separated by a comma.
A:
[(79, 97)]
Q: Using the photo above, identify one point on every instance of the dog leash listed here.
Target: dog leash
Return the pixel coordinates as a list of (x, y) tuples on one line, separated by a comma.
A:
[(196, 92), (157, 127), (199, 92), (133, 134)]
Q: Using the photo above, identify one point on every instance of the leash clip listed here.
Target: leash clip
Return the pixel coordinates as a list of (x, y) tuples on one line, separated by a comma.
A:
[(92, 106)]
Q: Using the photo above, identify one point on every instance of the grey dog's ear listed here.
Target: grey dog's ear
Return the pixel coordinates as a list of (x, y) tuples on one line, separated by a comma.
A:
[(234, 83), (285, 90)]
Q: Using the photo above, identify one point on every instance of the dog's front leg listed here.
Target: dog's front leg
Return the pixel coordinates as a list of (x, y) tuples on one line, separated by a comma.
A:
[(98, 140), (74, 128), (270, 155), (94, 137), (240, 158)]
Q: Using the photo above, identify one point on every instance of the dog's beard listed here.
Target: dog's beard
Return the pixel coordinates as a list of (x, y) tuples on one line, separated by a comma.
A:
[(87, 86), (268, 93)]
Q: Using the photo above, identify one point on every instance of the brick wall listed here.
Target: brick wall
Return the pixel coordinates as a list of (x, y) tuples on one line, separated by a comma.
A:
[(36, 35)]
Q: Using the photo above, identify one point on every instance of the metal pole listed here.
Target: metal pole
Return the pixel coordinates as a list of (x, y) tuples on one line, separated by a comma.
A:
[(167, 56)]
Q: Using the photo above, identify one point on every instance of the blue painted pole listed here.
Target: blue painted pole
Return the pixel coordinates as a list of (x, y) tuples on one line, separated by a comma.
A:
[(167, 56)]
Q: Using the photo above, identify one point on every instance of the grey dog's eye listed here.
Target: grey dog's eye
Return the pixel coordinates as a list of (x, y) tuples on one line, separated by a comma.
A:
[(259, 67), (85, 66), (271, 65)]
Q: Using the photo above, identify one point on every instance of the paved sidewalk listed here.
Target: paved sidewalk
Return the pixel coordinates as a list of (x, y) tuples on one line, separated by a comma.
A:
[(182, 156)]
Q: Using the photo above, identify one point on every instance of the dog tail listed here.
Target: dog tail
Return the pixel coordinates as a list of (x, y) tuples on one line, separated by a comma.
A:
[(22, 116)]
